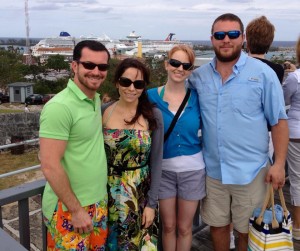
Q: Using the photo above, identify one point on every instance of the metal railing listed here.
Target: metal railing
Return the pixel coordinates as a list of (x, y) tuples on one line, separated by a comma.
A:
[(8, 243), (21, 194), (26, 169), (18, 143)]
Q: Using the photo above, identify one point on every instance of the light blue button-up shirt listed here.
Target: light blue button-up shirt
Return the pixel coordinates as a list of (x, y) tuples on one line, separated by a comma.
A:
[(235, 115)]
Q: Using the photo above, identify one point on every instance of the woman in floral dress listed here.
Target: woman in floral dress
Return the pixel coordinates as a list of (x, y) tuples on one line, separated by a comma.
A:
[(133, 135)]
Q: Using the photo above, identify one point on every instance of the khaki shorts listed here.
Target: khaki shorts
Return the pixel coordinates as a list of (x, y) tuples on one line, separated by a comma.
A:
[(233, 203)]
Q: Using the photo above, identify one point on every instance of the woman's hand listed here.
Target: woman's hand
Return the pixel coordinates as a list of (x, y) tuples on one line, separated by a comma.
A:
[(148, 217)]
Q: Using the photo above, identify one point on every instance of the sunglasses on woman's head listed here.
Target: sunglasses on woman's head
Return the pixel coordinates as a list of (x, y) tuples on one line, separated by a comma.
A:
[(91, 66), (220, 35), (126, 82), (176, 63)]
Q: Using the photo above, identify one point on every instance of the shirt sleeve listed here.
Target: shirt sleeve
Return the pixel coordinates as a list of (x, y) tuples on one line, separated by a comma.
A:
[(273, 101), (55, 122), (289, 88), (156, 156)]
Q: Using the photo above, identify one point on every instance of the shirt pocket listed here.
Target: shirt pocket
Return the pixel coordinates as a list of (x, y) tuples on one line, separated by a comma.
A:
[(247, 101), (208, 101)]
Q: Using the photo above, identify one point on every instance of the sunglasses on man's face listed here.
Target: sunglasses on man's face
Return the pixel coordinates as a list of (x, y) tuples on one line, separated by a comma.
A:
[(220, 35), (126, 82), (176, 63), (91, 66)]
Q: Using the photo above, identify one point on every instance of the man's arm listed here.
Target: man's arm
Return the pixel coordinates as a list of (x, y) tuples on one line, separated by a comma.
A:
[(51, 153), (280, 137)]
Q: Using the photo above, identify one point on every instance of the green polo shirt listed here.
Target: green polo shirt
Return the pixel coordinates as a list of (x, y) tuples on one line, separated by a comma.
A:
[(73, 117)]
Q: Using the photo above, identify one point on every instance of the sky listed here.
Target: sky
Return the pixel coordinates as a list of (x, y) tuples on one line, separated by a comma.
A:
[(152, 19)]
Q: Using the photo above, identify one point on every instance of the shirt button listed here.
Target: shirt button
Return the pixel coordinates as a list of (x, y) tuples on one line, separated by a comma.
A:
[(178, 135), (178, 145)]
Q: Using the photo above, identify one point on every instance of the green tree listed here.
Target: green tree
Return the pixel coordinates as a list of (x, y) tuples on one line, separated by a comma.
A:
[(10, 67), (108, 85), (57, 62), (45, 86), (158, 75)]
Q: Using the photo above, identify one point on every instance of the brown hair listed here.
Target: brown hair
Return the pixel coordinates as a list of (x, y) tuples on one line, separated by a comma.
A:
[(144, 106), (228, 17), (259, 35), (90, 44), (185, 48), (298, 50)]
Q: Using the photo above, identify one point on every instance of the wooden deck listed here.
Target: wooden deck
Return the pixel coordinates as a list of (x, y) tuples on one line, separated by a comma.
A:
[(202, 239)]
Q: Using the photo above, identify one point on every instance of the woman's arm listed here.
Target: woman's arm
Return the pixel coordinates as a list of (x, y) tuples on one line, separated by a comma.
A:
[(156, 157), (289, 87)]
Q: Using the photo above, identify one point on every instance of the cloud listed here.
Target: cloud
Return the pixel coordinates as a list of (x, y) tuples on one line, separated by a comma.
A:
[(99, 10), (240, 1), (150, 19), (45, 7)]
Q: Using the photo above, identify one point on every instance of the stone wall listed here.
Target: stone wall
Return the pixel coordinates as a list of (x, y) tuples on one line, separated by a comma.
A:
[(14, 125)]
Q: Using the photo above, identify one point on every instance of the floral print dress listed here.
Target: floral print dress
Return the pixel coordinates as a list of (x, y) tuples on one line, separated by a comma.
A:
[(127, 152)]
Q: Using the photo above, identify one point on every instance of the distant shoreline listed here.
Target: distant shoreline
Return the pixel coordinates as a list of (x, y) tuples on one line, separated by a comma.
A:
[(21, 41)]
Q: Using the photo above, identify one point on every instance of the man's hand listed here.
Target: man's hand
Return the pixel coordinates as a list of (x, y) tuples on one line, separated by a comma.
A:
[(148, 217), (276, 176), (81, 222)]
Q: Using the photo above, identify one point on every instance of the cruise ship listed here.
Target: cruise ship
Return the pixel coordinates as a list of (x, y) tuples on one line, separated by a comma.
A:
[(151, 46), (64, 45)]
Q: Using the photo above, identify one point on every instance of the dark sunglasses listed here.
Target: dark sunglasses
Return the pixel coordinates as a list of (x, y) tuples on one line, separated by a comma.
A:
[(126, 82), (91, 66), (175, 63), (220, 35)]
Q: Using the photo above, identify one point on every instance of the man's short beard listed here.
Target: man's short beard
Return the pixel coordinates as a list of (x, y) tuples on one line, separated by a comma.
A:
[(235, 55)]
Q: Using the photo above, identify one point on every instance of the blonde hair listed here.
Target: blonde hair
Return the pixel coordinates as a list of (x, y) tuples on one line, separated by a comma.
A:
[(185, 48)]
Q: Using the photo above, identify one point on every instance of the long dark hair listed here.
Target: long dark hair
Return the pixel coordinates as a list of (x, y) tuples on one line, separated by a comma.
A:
[(144, 106)]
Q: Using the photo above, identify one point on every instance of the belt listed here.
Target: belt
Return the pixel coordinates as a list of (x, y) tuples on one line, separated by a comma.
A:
[(123, 168)]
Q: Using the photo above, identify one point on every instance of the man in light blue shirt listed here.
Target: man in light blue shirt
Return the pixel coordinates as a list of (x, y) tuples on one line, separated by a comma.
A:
[(238, 95)]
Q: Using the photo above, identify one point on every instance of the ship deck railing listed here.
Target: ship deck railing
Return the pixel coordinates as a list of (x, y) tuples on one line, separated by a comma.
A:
[(21, 195)]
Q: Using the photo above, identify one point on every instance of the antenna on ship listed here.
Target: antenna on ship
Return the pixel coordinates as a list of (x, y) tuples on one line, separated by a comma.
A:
[(27, 53)]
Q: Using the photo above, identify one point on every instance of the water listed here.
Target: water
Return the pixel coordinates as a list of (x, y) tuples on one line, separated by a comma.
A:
[(21, 42), (287, 54), (284, 44)]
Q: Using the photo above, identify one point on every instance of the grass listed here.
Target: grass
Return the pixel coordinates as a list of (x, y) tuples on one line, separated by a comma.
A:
[(10, 162), (10, 111), (9, 108)]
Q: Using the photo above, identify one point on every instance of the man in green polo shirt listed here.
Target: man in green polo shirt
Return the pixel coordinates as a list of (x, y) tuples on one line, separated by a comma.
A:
[(73, 158)]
